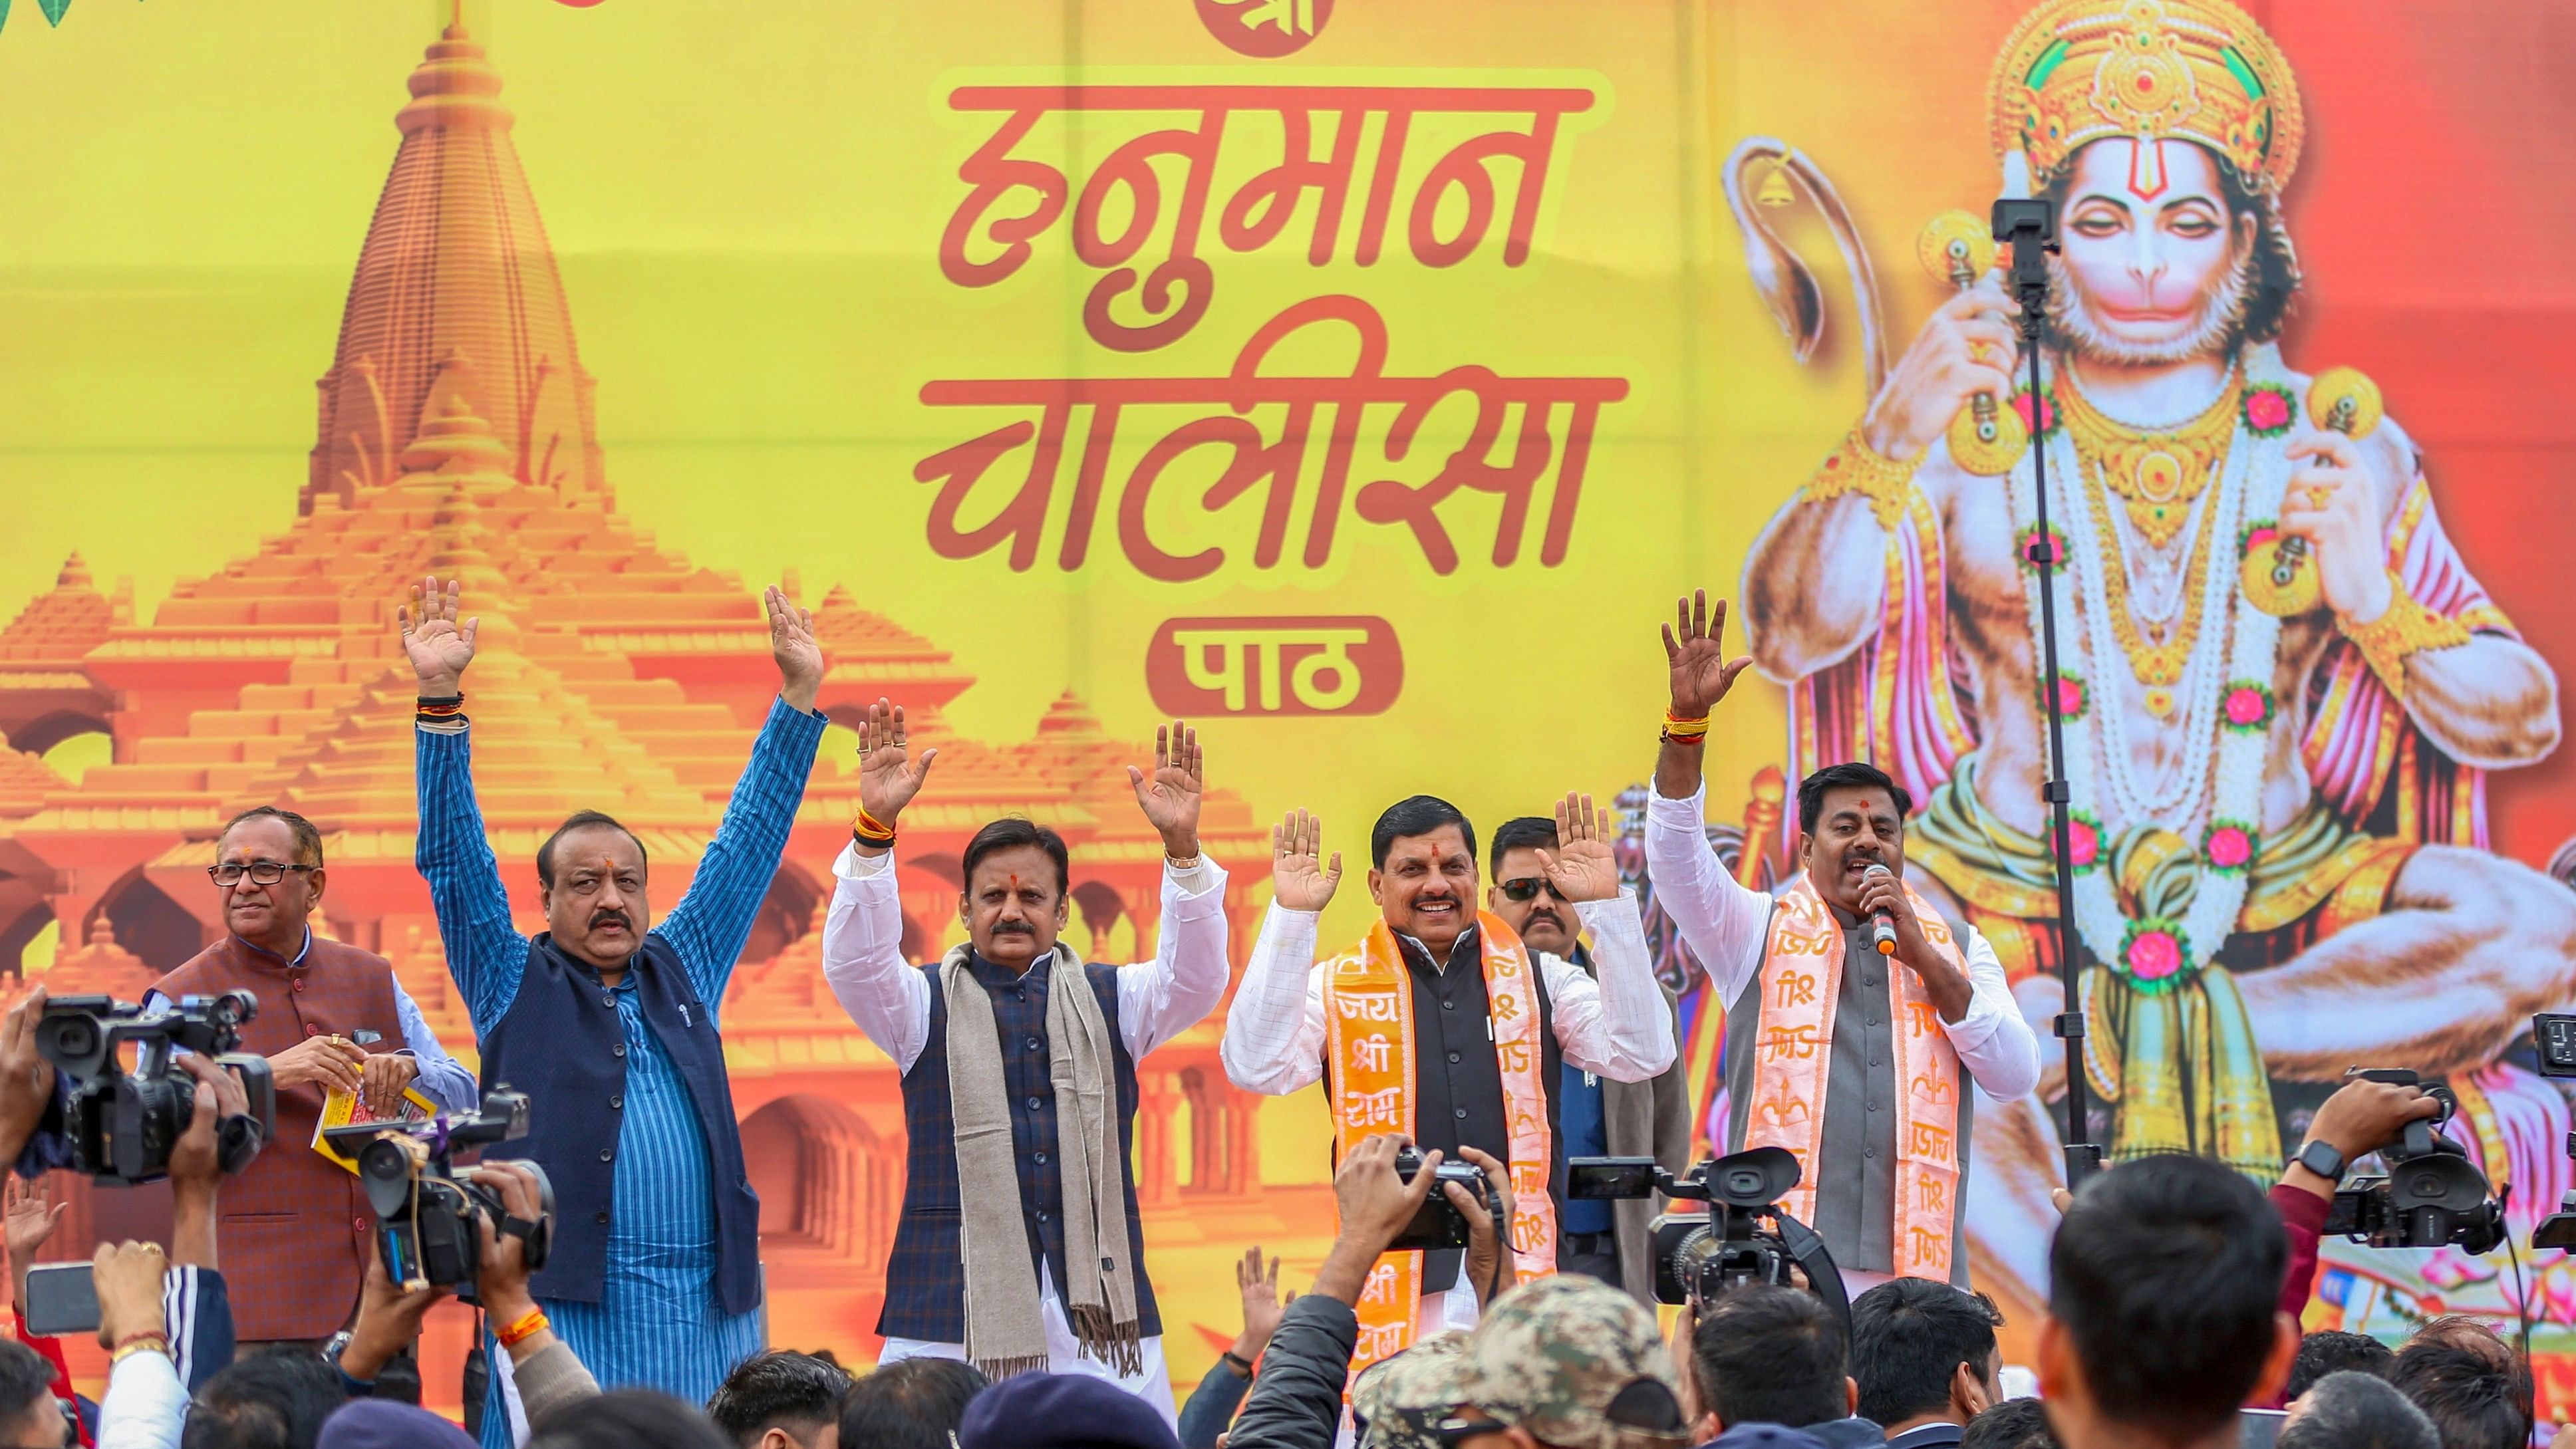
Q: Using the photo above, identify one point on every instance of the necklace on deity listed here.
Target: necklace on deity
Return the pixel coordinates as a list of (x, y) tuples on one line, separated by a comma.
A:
[(2158, 475)]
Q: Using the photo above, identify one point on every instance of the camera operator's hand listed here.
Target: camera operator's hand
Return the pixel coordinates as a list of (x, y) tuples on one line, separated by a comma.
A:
[(383, 1080), (2360, 1118), (196, 1161), (26, 1078), (128, 1279), (1375, 1205), (1490, 1265), (31, 1214), (501, 1276), (388, 1318), (324, 1061)]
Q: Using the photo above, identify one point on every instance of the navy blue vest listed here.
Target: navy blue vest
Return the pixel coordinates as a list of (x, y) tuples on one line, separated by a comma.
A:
[(563, 1044), (926, 1275)]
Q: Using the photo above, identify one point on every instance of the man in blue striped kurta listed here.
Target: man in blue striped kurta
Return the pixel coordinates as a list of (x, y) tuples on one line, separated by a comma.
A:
[(608, 1022)]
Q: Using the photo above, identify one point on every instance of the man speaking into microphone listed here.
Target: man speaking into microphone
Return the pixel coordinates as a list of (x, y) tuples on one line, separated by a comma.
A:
[(1856, 1014)]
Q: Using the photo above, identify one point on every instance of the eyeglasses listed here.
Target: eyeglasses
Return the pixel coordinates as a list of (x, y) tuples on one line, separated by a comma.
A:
[(1527, 887), (261, 872)]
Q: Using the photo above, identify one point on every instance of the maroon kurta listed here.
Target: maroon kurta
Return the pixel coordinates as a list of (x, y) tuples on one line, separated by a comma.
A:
[(292, 1229)]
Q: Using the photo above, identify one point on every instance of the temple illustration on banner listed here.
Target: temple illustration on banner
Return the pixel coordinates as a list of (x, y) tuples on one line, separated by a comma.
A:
[(456, 438)]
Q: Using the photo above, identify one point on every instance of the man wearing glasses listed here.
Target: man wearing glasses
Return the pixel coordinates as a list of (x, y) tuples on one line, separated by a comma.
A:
[(293, 1227), (1595, 1116)]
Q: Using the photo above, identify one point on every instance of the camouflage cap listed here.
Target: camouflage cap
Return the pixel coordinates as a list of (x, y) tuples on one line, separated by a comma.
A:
[(1576, 1362)]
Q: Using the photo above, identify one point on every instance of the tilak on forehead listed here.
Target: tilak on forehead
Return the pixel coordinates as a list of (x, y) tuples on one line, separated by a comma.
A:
[(2078, 71)]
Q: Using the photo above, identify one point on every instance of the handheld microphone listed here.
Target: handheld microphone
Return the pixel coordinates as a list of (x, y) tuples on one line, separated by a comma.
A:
[(1882, 926)]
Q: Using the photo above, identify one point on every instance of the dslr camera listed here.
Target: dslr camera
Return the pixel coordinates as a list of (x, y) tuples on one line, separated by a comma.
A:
[(1744, 1237), (2553, 1037), (1438, 1224), (123, 1124), (2429, 1194), (427, 1215)]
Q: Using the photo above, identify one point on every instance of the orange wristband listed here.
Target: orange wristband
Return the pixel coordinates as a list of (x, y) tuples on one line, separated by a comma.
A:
[(519, 1332)]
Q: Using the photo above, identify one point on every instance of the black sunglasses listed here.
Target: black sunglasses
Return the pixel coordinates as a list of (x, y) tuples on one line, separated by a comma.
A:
[(1527, 887)]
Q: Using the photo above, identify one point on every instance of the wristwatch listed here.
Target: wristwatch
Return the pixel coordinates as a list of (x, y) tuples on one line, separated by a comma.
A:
[(2322, 1158)]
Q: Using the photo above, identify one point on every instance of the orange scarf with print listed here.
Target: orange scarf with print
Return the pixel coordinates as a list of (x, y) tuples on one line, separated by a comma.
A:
[(1802, 977), (1368, 1029)]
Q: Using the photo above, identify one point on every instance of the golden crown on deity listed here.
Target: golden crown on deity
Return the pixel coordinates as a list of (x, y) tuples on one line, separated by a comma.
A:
[(2079, 71)]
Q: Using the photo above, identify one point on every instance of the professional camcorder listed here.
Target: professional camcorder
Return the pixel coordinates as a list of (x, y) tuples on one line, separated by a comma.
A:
[(2430, 1194), (426, 1213), (1700, 1256), (1438, 1224), (2553, 1037), (122, 1124)]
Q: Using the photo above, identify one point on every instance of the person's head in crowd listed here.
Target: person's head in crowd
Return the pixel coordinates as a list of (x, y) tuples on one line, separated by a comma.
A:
[(1422, 871), (1062, 1411), (2333, 1351), (2164, 1298), (1522, 896), (379, 1424), (625, 1419), (781, 1400), (2350, 1409), (30, 1416), (1925, 1353), (2470, 1383), (2012, 1424), (274, 1399), (1766, 1354), (915, 1404), (1560, 1363)]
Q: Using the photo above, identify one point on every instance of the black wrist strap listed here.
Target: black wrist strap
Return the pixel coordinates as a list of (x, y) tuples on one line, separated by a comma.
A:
[(1238, 1362)]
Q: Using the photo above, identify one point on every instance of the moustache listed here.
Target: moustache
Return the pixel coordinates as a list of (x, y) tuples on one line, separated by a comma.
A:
[(1014, 928), (606, 918)]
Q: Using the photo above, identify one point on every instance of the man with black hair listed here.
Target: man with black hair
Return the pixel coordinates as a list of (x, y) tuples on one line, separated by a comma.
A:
[(915, 1403), (2333, 1351), (1442, 1025), (2012, 1424), (1593, 1115), (607, 1020), (2164, 1307), (1771, 1354), (30, 1416), (1855, 1054), (2469, 1382), (274, 1399), (781, 1400), (1926, 1359), (1020, 1247), (2354, 1409)]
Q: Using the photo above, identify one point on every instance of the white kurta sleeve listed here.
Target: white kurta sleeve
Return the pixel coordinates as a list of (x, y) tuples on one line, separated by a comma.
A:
[(1620, 1026), (1161, 998), (863, 961), (1274, 1032)]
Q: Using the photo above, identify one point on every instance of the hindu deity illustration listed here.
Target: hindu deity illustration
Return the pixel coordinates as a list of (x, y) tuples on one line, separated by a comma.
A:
[(2283, 686)]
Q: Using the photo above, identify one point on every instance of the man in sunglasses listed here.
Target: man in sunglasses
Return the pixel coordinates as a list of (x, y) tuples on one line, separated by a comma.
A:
[(1595, 1115), (293, 1227)]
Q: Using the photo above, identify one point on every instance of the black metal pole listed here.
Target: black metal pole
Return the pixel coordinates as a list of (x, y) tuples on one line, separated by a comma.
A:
[(2083, 1157)]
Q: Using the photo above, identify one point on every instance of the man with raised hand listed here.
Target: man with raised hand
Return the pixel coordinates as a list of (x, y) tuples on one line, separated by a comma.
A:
[(1853, 1054), (1441, 1025), (607, 1021), (1020, 1248)]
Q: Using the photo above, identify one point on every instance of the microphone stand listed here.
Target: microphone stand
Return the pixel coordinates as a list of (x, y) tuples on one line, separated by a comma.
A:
[(2030, 225)]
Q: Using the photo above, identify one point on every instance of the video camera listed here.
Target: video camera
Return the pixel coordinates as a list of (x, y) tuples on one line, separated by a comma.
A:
[(1438, 1224), (2431, 1194), (428, 1214), (1699, 1256), (2553, 1038), (122, 1124)]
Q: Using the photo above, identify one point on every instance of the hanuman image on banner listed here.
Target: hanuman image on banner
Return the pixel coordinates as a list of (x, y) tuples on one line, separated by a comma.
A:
[(2282, 689)]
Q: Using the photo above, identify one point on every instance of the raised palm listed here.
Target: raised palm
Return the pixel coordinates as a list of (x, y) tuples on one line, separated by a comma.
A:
[(1701, 672), (1582, 867), (1170, 796), (1300, 878), (31, 1212), (792, 644), (439, 641), (888, 776)]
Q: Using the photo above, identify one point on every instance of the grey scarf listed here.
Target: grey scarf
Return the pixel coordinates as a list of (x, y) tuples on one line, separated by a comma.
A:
[(1005, 1332)]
